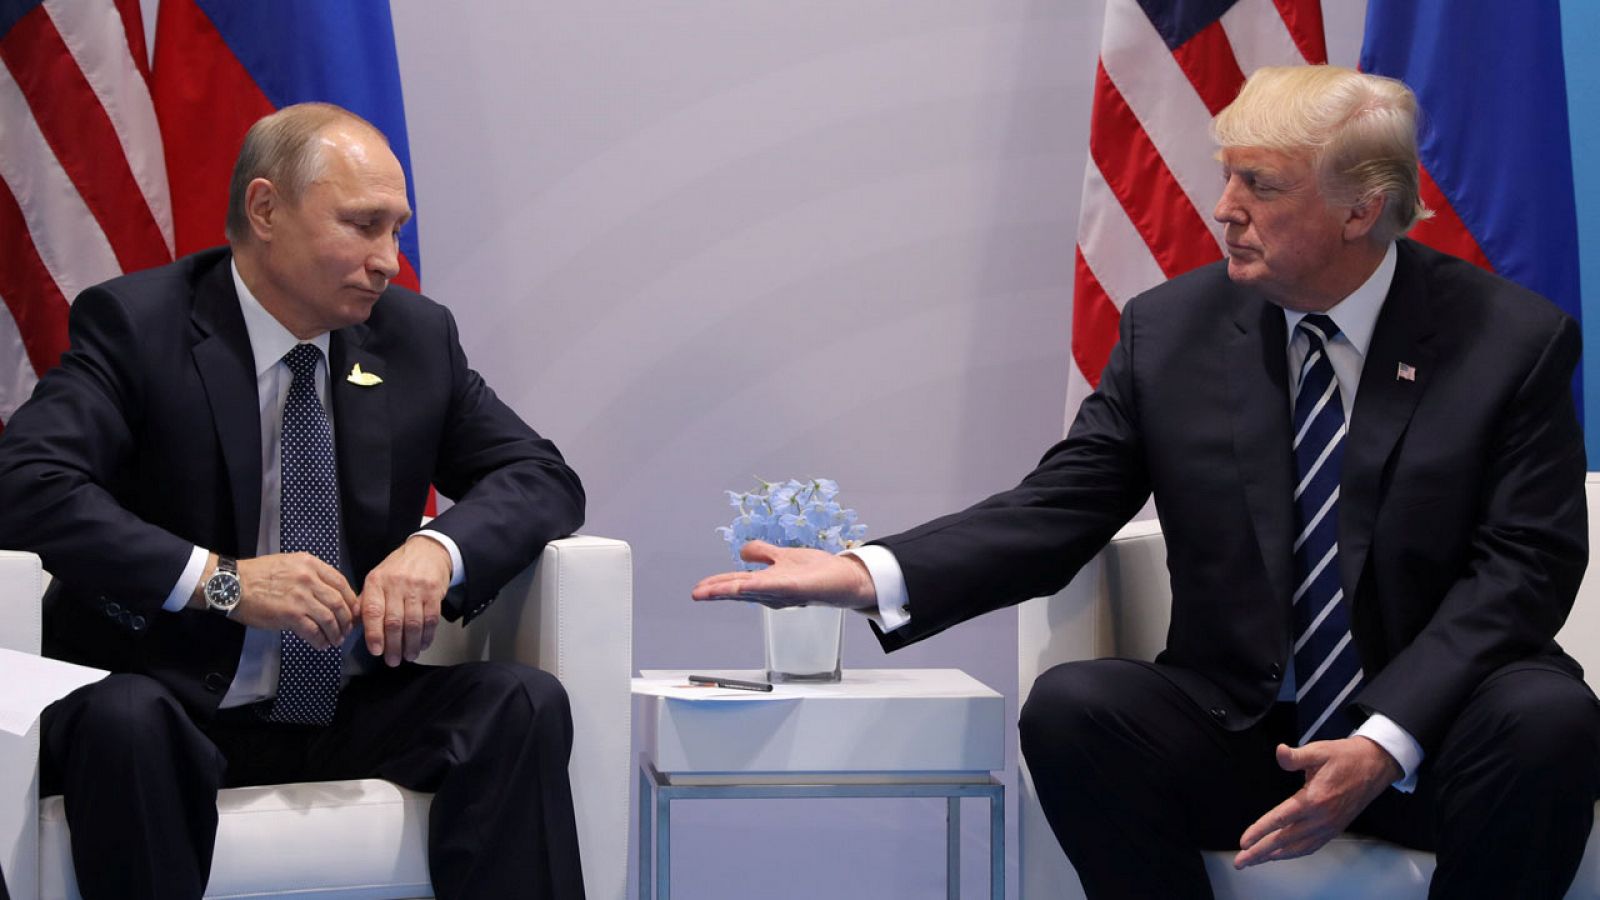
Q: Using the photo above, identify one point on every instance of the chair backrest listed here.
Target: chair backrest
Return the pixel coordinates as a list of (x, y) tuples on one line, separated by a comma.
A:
[(1580, 637)]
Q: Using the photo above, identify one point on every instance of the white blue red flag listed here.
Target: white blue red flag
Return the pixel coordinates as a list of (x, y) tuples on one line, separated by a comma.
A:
[(83, 189), (1166, 67), (222, 64), (1496, 148)]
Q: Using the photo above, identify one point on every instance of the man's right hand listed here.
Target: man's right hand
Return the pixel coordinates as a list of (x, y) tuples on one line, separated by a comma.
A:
[(298, 592), (794, 577)]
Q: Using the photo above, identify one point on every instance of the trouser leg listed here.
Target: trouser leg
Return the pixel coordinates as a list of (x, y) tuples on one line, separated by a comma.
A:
[(139, 782), (1135, 779), (491, 741), (1507, 801)]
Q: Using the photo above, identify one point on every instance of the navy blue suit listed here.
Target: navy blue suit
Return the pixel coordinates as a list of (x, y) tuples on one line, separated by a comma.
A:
[(1462, 536)]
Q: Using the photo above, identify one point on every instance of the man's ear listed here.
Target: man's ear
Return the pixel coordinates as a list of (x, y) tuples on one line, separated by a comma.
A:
[(261, 204), (1363, 217)]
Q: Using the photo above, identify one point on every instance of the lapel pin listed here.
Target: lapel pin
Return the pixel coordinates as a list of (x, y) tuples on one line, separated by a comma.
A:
[(362, 379), (1406, 372)]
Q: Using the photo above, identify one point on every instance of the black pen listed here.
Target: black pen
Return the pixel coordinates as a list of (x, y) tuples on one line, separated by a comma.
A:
[(734, 683)]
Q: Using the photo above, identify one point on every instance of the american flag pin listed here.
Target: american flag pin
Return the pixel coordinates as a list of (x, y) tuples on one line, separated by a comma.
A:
[(1406, 372)]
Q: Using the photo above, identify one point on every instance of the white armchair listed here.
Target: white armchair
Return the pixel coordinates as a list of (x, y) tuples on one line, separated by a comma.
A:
[(1119, 605), (570, 614)]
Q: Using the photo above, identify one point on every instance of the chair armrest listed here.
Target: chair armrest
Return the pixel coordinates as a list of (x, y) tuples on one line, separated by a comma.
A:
[(1118, 605), (571, 614), (21, 620)]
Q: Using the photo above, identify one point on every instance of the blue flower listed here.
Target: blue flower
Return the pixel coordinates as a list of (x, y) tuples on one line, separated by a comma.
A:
[(791, 514)]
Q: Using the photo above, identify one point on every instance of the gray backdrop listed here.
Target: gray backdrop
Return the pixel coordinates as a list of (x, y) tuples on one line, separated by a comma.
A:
[(696, 241)]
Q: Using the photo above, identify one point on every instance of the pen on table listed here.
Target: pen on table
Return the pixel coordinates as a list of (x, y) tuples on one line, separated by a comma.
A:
[(734, 683)]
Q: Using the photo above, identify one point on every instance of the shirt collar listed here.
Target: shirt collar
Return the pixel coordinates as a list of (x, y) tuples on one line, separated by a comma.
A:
[(269, 340), (1357, 314)]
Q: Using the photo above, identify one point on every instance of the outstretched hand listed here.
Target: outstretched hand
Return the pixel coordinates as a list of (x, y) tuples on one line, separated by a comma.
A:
[(1342, 777), (794, 576)]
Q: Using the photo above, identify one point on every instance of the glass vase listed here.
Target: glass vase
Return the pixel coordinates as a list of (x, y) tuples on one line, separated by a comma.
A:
[(803, 643)]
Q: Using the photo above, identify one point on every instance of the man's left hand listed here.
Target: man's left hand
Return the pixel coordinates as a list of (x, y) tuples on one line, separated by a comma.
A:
[(400, 599), (1342, 777)]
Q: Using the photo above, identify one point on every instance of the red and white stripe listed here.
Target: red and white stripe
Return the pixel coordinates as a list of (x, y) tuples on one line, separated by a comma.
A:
[(1152, 177), (83, 182)]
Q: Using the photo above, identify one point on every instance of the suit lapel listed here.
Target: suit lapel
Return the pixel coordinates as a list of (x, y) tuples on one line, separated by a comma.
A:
[(227, 370), (1257, 370), (362, 435), (1384, 406)]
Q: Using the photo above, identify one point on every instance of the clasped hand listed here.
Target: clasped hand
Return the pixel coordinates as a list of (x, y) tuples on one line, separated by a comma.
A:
[(795, 576), (398, 606)]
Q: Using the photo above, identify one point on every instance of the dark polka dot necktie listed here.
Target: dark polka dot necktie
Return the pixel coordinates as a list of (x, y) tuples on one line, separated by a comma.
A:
[(1327, 668), (308, 679)]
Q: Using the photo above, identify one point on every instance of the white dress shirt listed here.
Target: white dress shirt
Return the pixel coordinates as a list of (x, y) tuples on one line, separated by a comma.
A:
[(1356, 316), (257, 675)]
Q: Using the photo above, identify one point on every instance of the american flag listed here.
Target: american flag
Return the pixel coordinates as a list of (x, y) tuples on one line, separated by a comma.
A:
[(83, 183), (1166, 67)]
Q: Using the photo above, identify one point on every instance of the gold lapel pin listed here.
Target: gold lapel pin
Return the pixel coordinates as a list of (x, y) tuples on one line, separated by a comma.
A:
[(362, 379)]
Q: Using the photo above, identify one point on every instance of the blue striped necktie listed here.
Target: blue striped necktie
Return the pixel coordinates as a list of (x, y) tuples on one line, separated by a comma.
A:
[(308, 679), (1326, 664)]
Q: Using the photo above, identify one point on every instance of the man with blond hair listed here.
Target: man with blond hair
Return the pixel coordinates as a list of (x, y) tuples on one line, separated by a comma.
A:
[(1369, 474), (226, 476)]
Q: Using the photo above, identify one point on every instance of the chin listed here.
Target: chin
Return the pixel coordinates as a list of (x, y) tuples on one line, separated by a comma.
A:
[(1243, 272)]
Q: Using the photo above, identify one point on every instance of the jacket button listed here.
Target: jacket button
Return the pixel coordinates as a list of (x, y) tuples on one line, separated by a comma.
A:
[(138, 623), (125, 619), (1218, 713), (215, 682), (113, 609), (1276, 672)]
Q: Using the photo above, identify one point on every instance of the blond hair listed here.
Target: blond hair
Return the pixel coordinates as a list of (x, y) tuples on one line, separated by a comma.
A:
[(1360, 129), (282, 148)]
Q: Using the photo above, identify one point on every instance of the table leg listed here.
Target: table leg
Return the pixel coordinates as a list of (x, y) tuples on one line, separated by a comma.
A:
[(663, 844), (645, 808), (952, 849), (997, 844)]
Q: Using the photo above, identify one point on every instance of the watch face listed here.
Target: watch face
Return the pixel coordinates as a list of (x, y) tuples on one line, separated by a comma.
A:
[(222, 591)]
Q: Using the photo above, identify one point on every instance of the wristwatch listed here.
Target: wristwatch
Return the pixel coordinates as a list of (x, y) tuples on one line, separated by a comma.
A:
[(222, 589)]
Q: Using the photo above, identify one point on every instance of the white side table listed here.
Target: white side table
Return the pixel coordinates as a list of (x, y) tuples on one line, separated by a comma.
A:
[(878, 733)]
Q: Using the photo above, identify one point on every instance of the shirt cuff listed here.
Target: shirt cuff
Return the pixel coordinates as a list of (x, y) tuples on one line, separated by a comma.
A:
[(888, 581), (1386, 733), (458, 569), (188, 581)]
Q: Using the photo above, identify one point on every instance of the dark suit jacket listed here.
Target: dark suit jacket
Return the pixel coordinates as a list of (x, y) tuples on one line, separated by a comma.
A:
[(1462, 525), (147, 440)]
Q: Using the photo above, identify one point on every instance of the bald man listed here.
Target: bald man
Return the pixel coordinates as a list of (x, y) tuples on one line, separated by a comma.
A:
[(226, 475)]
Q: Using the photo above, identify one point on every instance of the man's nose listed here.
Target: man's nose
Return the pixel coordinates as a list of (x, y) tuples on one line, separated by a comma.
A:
[(385, 258), (1227, 211)]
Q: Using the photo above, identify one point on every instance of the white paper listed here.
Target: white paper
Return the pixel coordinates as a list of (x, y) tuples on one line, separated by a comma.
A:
[(33, 682)]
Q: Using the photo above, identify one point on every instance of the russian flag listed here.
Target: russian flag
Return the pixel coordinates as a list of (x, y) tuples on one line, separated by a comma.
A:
[(1495, 144), (222, 64)]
